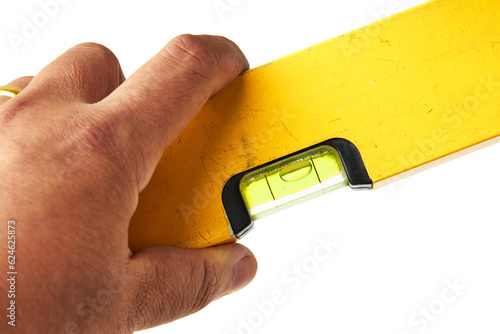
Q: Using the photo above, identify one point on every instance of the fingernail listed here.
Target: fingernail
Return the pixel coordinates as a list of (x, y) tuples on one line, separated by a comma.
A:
[(244, 272)]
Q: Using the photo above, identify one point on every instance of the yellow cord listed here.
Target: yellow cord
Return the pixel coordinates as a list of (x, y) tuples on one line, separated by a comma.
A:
[(9, 91)]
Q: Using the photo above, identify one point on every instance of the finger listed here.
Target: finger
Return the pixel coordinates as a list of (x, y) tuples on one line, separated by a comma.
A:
[(85, 73), (160, 99), (171, 283), (20, 83)]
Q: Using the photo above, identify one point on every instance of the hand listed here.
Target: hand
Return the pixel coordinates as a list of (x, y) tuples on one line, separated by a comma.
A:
[(78, 144)]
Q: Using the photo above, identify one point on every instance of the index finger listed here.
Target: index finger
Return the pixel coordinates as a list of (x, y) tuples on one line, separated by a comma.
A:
[(158, 100)]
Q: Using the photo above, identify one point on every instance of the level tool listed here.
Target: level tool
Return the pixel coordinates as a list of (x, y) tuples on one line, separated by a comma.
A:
[(360, 110)]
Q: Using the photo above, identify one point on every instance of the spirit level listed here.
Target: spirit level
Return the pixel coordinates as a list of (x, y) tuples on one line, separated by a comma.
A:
[(288, 180), (361, 109), (261, 191)]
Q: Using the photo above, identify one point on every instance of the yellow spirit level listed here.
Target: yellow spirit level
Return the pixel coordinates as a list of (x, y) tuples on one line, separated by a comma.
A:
[(357, 110)]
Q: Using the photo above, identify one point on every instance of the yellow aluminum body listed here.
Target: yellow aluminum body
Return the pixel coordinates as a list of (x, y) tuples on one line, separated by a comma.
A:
[(407, 90)]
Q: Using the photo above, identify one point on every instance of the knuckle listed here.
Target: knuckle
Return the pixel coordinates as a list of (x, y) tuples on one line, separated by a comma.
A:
[(21, 82), (191, 53), (26, 78), (99, 52), (87, 69), (99, 60)]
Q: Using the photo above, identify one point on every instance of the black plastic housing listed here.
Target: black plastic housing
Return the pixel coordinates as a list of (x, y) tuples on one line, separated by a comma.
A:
[(352, 165)]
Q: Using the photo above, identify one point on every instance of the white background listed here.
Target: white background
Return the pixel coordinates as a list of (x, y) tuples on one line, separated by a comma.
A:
[(398, 244)]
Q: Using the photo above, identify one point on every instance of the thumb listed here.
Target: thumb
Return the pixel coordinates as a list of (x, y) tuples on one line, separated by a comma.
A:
[(171, 283)]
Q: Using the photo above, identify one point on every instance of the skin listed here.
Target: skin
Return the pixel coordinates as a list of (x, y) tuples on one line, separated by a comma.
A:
[(78, 145)]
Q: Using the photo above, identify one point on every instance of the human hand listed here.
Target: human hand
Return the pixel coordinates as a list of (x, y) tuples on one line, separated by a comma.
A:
[(78, 145)]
